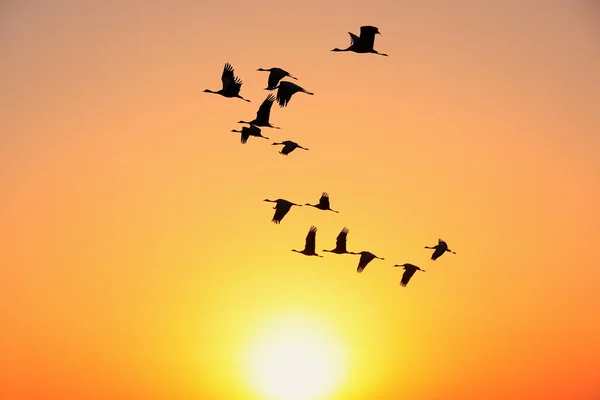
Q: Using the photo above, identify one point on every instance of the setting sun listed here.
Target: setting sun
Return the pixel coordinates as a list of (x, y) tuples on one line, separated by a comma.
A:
[(295, 360)]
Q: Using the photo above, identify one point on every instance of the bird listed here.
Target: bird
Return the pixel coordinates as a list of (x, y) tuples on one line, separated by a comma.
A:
[(323, 203), (365, 258), (285, 91), (340, 242), (288, 147), (409, 271), (231, 84), (246, 132), (363, 43), (276, 74), (440, 249), (282, 207), (310, 244), (263, 114)]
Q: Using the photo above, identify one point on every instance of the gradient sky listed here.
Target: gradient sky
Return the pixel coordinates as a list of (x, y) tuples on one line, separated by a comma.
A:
[(137, 258)]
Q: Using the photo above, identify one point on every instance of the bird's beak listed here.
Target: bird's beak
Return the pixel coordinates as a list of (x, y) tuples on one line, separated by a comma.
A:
[(379, 33)]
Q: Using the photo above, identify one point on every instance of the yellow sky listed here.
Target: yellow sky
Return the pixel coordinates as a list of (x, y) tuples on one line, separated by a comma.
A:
[(138, 260)]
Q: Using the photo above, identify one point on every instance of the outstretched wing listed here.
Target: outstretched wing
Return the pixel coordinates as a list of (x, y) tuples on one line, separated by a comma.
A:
[(245, 135), (229, 79), (275, 76), (367, 36), (439, 250), (288, 148), (353, 38), (311, 240), (253, 130), (365, 258), (264, 111), (284, 94), (340, 242), (281, 209), (408, 273), (324, 200)]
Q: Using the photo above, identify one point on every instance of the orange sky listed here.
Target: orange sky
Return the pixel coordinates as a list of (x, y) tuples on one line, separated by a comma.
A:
[(138, 259)]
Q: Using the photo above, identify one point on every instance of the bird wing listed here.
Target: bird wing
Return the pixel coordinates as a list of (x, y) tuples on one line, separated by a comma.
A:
[(439, 250), (264, 111), (229, 79), (245, 135), (253, 130), (408, 273), (353, 38), (340, 242), (288, 148), (324, 200), (367, 36), (311, 240), (281, 209), (275, 76), (284, 94), (365, 258)]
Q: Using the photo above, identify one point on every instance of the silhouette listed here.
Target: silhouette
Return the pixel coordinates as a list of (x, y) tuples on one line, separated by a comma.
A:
[(288, 147), (249, 131), (285, 91), (409, 271), (310, 244), (323, 203), (340, 243), (365, 258), (231, 84), (275, 76), (364, 43), (263, 114), (440, 249), (282, 207)]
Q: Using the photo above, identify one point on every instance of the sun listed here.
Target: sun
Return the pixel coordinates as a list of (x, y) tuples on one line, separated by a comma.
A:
[(294, 359)]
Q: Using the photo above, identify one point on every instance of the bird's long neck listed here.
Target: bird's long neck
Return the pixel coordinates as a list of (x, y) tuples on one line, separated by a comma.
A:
[(211, 91), (336, 49), (297, 251)]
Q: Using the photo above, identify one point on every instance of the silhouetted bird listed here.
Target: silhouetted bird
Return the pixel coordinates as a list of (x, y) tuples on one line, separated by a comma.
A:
[(288, 147), (285, 91), (323, 203), (364, 43), (310, 245), (340, 243), (440, 249), (231, 84), (249, 131), (282, 207), (365, 258), (409, 271), (263, 114), (275, 76)]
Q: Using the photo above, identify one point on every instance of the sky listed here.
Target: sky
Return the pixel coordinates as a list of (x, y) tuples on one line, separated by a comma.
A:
[(138, 260)]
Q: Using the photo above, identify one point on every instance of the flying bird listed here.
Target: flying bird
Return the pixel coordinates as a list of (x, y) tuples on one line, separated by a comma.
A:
[(363, 43), (249, 131), (440, 249), (231, 84), (340, 243), (276, 74), (409, 271), (282, 207), (285, 91), (323, 203), (288, 147), (263, 114), (365, 258), (310, 244)]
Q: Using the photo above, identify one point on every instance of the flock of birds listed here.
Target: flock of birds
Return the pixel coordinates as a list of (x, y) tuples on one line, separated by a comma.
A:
[(231, 86)]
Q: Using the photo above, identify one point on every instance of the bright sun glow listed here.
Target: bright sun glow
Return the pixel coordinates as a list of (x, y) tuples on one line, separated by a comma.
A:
[(295, 360)]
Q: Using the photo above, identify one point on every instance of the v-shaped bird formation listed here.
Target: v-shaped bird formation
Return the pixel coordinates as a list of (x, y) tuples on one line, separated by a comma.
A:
[(285, 89)]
